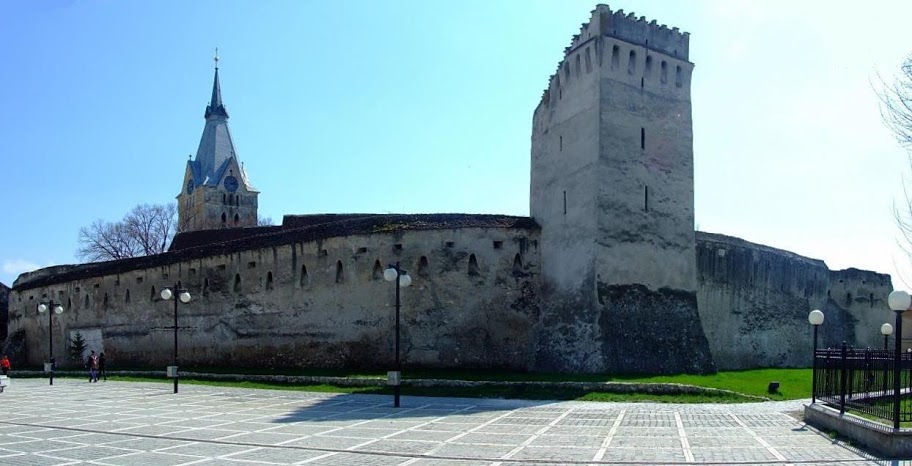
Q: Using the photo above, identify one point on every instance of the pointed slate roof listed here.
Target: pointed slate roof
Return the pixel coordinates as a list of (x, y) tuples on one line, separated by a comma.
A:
[(216, 149)]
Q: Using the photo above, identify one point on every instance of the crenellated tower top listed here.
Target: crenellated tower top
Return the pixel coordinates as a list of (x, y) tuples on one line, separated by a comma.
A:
[(629, 28)]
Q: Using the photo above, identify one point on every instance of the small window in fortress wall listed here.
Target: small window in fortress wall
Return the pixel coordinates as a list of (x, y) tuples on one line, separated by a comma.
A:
[(577, 64), (664, 72), (220, 267), (192, 272), (127, 296), (377, 272), (642, 138), (498, 245), (615, 57), (449, 244), (362, 250), (303, 279), (679, 79), (105, 302), (69, 303), (567, 70), (251, 265), (237, 283), (647, 72), (339, 274), (224, 218), (631, 63), (517, 265), (152, 294), (206, 287), (473, 265), (269, 284), (588, 61), (423, 266), (397, 247), (86, 306)]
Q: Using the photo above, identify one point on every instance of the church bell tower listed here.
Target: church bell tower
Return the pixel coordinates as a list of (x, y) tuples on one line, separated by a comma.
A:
[(216, 192)]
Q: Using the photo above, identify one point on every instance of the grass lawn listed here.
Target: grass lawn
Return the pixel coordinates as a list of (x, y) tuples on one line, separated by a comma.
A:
[(794, 384)]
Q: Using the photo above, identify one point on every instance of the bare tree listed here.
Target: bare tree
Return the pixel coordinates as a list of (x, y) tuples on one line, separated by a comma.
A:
[(896, 104), (264, 221), (896, 112), (145, 230)]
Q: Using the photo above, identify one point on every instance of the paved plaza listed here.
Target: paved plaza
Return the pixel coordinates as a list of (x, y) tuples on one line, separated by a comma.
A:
[(120, 423)]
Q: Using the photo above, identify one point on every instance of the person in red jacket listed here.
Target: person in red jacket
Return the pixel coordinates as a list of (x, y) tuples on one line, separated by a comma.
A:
[(5, 365)]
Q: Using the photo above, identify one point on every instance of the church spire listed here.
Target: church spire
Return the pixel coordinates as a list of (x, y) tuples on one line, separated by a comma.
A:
[(215, 107)]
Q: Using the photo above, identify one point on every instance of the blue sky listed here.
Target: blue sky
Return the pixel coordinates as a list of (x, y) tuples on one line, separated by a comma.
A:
[(426, 106)]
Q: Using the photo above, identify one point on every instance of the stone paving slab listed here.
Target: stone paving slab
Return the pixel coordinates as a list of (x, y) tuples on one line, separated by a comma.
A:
[(120, 423)]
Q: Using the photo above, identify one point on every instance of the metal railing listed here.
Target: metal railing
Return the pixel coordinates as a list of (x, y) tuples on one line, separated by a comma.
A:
[(863, 380)]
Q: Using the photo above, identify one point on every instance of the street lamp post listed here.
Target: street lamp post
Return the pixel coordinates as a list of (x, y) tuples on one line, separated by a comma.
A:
[(184, 297), (899, 302), (886, 330), (815, 318), (51, 308), (402, 278)]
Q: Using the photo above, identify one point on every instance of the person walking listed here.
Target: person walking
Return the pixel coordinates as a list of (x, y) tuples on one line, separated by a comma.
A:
[(92, 364), (5, 365), (101, 368)]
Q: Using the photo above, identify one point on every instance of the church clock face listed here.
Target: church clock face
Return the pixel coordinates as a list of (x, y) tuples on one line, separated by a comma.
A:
[(231, 184), (189, 186)]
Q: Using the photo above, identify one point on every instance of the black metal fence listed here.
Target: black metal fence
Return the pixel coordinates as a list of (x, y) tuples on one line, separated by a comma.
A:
[(863, 380)]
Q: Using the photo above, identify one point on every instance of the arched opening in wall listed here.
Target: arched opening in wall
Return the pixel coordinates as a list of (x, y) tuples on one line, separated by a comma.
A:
[(473, 265), (237, 283), (152, 294), (269, 284), (339, 274), (615, 57), (206, 287), (127, 296), (423, 266), (631, 63), (664, 72), (588, 61), (224, 219), (567, 70), (86, 305), (517, 265), (237, 218), (679, 78), (237, 200), (377, 272), (647, 71), (303, 278), (69, 303), (848, 300)]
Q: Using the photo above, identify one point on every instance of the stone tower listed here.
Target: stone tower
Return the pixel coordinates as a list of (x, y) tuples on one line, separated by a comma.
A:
[(612, 187), (216, 192)]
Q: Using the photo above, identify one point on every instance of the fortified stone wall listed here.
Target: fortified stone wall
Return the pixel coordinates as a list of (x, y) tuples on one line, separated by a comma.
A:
[(473, 303), (754, 301), (4, 311)]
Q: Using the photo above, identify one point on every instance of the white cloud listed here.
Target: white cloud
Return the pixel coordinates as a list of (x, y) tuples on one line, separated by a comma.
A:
[(17, 266)]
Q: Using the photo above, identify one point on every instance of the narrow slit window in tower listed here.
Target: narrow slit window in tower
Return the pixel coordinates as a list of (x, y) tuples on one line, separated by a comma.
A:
[(560, 144), (473, 265), (303, 279), (269, 284), (565, 202), (339, 274), (664, 76), (152, 294), (646, 198), (206, 287), (679, 79), (615, 57), (105, 302), (377, 273), (588, 61), (517, 265), (86, 301), (578, 65), (643, 138), (631, 63), (423, 266), (237, 218), (647, 71), (127, 296), (237, 282), (224, 218)]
